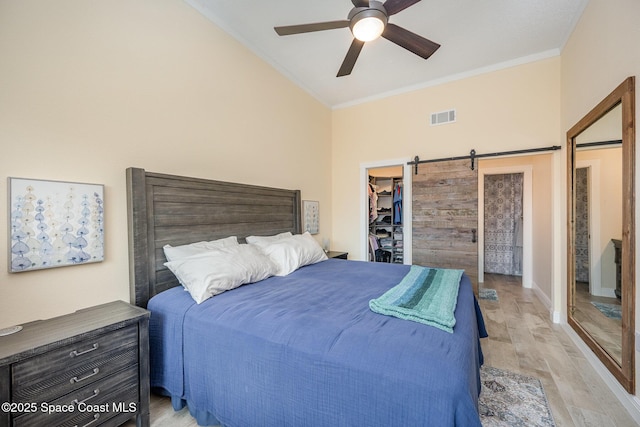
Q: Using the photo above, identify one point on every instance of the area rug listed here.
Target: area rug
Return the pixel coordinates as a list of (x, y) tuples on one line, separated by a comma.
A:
[(610, 310), (510, 399), (489, 294)]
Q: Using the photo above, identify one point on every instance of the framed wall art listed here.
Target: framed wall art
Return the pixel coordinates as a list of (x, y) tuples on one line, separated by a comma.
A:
[(310, 216), (54, 224)]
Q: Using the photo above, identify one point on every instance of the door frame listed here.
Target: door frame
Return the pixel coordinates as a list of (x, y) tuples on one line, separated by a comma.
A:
[(527, 219), (593, 188), (406, 206)]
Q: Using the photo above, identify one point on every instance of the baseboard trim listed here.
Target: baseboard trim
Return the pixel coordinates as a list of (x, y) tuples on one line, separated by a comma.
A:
[(544, 299), (606, 292)]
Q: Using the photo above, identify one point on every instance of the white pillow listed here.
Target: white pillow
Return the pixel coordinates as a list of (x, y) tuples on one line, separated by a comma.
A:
[(293, 252), (211, 273), (267, 240), (174, 253)]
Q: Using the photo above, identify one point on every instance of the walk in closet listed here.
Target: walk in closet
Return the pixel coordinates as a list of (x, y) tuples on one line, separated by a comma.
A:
[(386, 236)]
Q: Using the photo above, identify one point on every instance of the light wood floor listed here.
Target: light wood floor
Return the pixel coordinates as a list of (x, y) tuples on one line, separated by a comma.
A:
[(608, 332), (522, 339)]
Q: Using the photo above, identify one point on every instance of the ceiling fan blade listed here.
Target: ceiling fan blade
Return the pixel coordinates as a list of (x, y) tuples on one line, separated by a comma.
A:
[(309, 28), (350, 59), (360, 3), (410, 41), (395, 6)]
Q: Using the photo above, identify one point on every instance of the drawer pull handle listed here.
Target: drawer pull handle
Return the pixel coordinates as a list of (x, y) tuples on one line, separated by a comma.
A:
[(77, 380), (75, 353), (95, 418), (95, 393)]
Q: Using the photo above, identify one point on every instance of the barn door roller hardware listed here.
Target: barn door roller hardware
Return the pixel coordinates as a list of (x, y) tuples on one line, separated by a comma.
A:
[(473, 156)]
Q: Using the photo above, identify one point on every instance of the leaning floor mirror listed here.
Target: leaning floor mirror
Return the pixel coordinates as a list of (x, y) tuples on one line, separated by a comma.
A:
[(601, 233)]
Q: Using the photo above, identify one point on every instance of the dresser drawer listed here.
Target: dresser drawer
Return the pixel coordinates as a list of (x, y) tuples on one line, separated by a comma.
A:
[(62, 370), (98, 355), (105, 398)]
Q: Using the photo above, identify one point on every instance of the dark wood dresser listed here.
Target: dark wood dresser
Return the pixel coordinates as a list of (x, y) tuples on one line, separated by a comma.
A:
[(617, 258), (88, 368)]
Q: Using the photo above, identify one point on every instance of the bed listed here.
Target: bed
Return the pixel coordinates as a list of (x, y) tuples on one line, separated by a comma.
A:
[(299, 350)]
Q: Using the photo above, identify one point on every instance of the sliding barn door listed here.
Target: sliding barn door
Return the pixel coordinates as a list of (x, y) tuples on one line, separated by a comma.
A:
[(445, 217)]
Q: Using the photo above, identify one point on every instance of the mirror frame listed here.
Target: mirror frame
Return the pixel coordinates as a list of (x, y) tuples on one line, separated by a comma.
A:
[(624, 94)]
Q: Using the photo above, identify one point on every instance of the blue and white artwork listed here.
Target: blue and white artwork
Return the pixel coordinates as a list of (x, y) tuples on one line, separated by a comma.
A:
[(54, 224), (310, 216)]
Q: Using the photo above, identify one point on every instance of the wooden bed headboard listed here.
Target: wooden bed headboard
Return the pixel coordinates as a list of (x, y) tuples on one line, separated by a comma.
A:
[(177, 210)]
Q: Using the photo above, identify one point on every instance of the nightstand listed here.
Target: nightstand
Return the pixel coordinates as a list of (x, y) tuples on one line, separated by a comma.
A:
[(339, 255), (90, 367)]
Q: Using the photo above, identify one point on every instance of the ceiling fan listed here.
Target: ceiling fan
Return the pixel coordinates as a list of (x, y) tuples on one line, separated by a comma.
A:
[(368, 20)]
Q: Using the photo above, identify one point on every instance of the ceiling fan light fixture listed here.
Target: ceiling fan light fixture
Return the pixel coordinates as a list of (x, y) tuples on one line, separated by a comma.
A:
[(368, 24), (368, 20)]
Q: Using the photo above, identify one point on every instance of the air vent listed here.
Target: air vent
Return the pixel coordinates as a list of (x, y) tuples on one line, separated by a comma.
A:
[(443, 117)]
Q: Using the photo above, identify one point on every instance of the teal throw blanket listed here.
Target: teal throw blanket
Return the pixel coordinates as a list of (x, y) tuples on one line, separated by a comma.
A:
[(425, 295)]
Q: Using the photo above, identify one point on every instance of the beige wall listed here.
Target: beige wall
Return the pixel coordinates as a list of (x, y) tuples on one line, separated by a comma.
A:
[(516, 108), (89, 88), (601, 52)]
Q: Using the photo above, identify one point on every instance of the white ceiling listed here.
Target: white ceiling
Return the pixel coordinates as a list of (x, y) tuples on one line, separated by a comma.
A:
[(476, 36)]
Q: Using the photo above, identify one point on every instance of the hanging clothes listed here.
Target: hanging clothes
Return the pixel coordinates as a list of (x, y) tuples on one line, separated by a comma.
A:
[(397, 204), (373, 203)]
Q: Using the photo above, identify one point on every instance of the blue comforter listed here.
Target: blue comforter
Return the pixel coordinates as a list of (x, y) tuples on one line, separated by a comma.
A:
[(306, 350)]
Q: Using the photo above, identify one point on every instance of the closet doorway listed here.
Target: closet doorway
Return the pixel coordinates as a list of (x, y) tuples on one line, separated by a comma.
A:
[(505, 210), (386, 212)]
